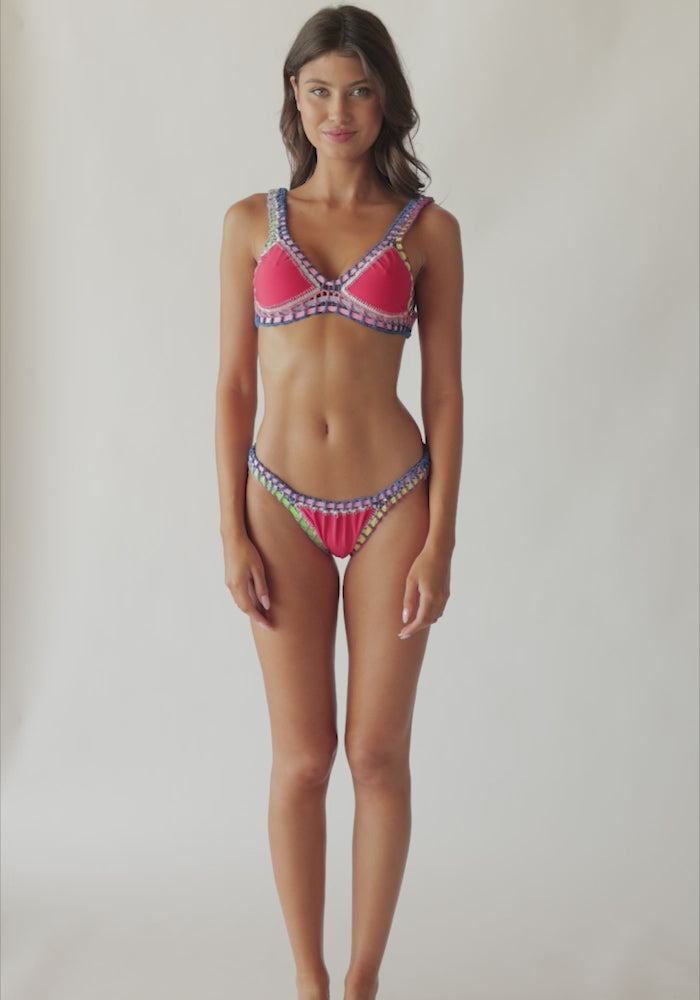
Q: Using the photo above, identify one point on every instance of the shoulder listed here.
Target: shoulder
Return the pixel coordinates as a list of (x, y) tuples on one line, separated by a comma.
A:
[(245, 221), (439, 224), (246, 211), (434, 239)]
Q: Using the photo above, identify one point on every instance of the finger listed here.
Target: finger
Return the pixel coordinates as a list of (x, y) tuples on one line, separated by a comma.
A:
[(410, 601), (261, 592), (423, 619), (244, 596), (254, 611)]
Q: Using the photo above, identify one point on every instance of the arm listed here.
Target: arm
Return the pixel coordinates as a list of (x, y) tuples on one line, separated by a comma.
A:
[(439, 299), (236, 405)]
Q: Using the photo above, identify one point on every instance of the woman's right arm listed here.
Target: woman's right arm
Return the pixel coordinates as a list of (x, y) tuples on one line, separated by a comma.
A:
[(236, 405)]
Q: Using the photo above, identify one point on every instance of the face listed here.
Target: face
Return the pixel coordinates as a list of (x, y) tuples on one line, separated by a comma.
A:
[(339, 108)]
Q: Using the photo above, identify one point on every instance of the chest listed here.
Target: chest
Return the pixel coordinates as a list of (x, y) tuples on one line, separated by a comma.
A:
[(333, 240)]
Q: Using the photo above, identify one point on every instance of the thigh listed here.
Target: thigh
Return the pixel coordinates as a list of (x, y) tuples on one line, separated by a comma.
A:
[(297, 655), (383, 669)]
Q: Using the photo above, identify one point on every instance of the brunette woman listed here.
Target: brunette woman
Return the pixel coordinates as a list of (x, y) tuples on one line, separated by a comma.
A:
[(321, 286)]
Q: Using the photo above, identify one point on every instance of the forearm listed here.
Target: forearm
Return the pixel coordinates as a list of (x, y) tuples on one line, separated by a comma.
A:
[(443, 420), (235, 423)]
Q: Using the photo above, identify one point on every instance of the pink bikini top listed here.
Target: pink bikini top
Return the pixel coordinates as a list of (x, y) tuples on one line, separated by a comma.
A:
[(378, 291)]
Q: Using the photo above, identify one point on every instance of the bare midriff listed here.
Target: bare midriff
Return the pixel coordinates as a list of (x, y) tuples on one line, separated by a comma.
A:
[(333, 426)]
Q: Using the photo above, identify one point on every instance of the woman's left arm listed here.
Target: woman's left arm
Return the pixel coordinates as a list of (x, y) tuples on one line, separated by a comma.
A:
[(439, 300)]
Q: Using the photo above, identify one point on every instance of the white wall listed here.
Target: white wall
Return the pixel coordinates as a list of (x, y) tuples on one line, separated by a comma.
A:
[(554, 850)]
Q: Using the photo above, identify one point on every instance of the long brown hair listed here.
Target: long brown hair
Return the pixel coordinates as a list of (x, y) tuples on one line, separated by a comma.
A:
[(353, 31)]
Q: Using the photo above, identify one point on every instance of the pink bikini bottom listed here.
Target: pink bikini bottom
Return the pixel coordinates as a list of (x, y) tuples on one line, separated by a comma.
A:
[(339, 527)]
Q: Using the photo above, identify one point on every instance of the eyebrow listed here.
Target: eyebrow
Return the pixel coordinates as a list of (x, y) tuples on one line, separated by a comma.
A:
[(326, 84)]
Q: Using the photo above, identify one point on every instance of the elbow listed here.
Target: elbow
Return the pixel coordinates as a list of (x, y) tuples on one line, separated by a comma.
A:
[(237, 387), (236, 402), (445, 396)]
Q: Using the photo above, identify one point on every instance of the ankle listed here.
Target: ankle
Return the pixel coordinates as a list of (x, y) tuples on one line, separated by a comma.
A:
[(313, 985)]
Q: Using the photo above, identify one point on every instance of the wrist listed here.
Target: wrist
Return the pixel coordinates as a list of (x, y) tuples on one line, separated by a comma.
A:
[(233, 530), (440, 544)]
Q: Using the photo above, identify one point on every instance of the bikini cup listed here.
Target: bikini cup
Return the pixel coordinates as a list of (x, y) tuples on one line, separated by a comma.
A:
[(377, 292)]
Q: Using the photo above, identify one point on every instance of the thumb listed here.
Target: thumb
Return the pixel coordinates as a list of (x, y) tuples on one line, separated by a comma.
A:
[(260, 585), (410, 601)]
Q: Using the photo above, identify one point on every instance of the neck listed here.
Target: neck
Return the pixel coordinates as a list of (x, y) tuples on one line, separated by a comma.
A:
[(341, 183)]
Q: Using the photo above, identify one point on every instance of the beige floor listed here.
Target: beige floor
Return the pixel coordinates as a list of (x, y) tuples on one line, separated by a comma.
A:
[(151, 935)]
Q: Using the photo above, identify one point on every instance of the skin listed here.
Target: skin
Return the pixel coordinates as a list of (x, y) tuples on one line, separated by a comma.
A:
[(334, 427)]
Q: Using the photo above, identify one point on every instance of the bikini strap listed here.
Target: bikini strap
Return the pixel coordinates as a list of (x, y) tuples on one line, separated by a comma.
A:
[(409, 216), (275, 211)]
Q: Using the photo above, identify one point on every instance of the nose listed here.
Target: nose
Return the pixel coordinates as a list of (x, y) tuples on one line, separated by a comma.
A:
[(338, 110)]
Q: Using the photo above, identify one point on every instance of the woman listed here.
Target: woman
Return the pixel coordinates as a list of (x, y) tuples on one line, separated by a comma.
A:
[(334, 430)]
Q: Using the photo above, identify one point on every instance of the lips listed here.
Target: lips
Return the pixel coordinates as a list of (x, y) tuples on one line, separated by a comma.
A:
[(339, 135)]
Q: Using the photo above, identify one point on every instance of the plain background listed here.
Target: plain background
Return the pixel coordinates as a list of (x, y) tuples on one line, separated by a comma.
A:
[(555, 756)]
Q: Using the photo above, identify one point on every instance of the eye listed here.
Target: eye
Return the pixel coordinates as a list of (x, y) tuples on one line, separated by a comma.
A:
[(318, 91), (362, 92)]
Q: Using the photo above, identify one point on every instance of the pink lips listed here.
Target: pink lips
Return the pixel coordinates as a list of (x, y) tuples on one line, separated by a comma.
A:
[(339, 136)]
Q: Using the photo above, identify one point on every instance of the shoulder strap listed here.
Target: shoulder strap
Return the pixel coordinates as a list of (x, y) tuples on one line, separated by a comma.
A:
[(274, 210), (413, 210)]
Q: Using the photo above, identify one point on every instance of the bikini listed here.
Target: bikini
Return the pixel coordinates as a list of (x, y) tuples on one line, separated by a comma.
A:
[(378, 292)]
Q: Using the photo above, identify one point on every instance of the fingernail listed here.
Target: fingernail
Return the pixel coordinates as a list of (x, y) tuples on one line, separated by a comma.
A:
[(402, 635), (404, 615), (265, 601)]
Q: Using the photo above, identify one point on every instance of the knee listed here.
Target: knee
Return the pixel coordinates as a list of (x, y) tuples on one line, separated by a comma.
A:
[(377, 765), (307, 767)]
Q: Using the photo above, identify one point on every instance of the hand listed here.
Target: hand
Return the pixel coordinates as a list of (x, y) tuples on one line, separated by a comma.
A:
[(426, 593), (245, 578)]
